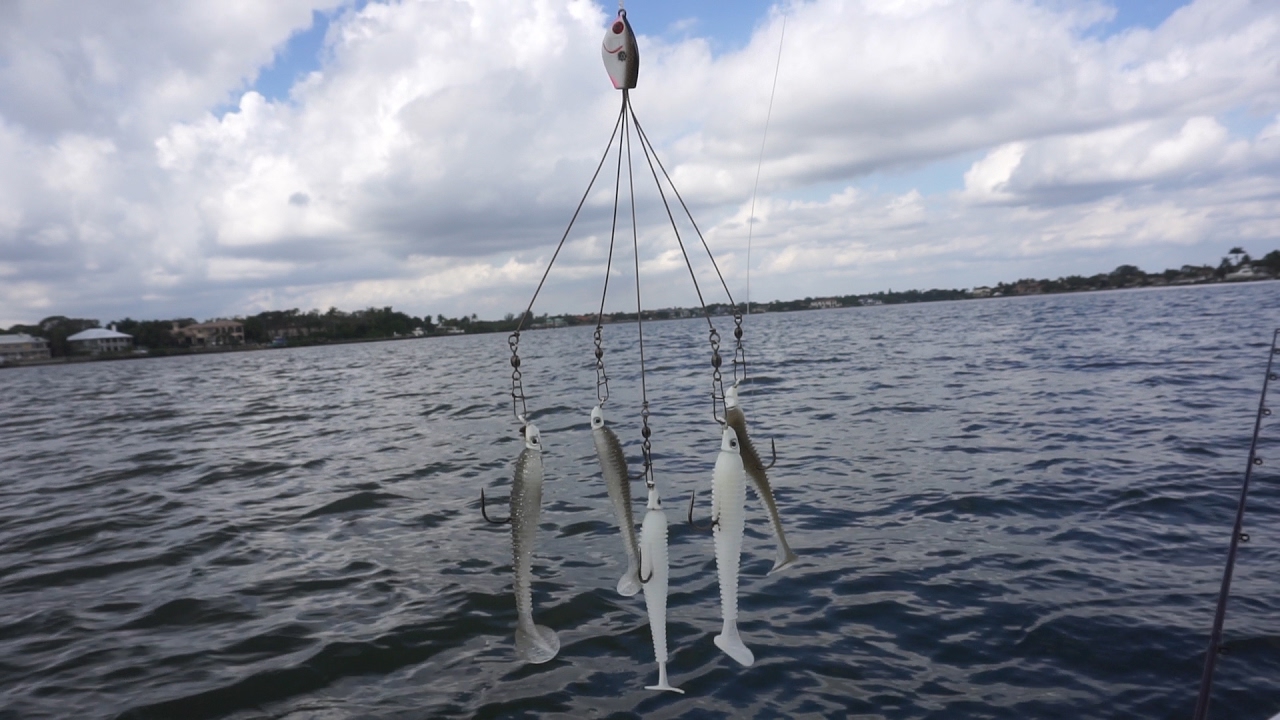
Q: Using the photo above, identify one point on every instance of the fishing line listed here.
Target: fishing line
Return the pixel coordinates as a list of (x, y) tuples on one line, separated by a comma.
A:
[(751, 217)]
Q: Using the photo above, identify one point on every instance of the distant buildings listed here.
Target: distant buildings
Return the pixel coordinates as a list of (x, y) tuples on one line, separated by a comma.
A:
[(211, 334), (290, 331), (21, 346), (96, 341), (554, 322), (1247, 272), (1028, 287)]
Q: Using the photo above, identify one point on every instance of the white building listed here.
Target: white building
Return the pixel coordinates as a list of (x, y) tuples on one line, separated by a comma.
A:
[(96, 341), (1247, 272), (21, 346)]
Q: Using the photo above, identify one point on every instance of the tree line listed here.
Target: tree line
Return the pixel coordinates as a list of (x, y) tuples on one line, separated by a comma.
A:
[(298, 328), (317, 327), (1131, 276)]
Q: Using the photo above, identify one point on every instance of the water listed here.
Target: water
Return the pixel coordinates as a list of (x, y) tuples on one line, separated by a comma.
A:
[(1015, 508)]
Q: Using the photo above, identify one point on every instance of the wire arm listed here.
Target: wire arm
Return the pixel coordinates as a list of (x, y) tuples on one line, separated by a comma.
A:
[(717, 383), (644, 140), (602, 378), (572, 220), (518, 399), (646, 446)]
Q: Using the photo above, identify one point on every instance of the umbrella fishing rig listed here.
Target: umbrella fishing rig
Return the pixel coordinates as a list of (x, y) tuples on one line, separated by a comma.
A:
[(622, 61)]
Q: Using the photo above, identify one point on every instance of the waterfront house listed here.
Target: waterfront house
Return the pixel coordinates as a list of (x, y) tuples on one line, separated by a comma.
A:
[(1248, 272), (21, 346), (555, 322), (96, 341), (212, 334)]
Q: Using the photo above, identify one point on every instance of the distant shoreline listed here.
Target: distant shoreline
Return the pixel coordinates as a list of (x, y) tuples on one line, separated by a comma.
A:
[(720, 311), (188, 352)]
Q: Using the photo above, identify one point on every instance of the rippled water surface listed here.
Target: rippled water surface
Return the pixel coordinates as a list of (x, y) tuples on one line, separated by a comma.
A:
[(1014, 508)]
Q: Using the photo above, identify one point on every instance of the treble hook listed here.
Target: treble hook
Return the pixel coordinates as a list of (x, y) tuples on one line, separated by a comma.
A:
[(696, 526), (486, 514), (774, 449)]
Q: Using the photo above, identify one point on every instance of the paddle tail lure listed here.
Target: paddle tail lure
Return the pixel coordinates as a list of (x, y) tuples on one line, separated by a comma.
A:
[(756, 470), (613, 464), (534, 643), (728, 494), (653, 566), (621, 54)]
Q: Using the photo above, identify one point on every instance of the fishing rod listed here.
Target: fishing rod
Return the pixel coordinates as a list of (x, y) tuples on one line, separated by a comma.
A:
[(1237, 536)]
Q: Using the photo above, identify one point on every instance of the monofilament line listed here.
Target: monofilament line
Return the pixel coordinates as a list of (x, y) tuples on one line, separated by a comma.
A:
[(751, 217)]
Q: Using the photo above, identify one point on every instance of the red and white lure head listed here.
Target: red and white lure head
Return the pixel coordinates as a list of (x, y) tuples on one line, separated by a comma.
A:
[(621, 54)]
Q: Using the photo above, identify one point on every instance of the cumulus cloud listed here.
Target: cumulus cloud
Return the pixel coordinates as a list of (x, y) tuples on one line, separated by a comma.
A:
[(1069, 168), (432, 159)]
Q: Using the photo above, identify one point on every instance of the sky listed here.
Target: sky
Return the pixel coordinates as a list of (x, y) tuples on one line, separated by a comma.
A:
[(216, 159)]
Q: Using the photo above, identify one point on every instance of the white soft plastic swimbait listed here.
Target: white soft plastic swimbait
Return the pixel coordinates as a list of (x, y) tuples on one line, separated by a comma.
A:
[(613, 464), (735, 418), (728, 493), (653, 568), (534, 643)]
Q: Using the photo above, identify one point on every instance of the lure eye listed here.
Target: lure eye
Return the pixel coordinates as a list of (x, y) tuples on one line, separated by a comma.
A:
[(618, 27)]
